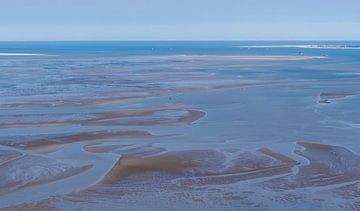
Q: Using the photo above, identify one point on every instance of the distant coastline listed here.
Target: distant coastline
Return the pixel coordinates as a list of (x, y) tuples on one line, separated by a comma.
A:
[(304, 46), (22, 54)]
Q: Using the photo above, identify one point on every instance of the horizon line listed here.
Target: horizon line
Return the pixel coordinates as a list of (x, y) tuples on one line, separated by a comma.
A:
[(192, 40)]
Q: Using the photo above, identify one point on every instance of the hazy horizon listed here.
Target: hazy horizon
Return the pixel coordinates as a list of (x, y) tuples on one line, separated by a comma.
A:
[(192, 40)]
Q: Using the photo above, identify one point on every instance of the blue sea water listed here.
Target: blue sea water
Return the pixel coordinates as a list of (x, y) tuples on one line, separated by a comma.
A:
[(127, 48)]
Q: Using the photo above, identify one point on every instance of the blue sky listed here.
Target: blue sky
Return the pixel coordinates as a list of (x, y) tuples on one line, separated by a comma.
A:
[(179, 19)]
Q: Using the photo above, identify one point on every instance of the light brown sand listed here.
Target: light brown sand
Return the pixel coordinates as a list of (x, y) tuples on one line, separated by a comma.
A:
[(230, 58), (204, 164), (48, 145), (24, 105), (102, 149), (100, 119)]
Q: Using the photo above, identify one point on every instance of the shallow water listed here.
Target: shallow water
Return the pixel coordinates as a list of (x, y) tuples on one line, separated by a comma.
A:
[(190, 125)]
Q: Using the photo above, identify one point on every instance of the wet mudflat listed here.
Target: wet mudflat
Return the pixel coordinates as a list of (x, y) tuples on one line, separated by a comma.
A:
[(246, 129)]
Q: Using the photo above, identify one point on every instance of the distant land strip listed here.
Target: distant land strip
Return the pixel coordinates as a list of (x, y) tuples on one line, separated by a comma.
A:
[(23, 54), (304, 46)]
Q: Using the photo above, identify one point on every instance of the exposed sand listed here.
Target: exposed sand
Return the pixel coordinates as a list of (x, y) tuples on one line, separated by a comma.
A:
[(77, 102), (45, 148), (201, 163), (32, 207), (102, 149), (183, 174), (24, 105), (327, 165), (46, 124), (107, 119), (231, 58), (56, 143)]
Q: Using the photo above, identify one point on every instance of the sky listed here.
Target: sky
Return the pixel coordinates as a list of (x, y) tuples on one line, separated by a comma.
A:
[(179, 20)]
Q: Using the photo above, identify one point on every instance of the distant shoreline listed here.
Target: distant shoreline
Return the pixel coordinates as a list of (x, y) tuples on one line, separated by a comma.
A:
[(304, 46), (22, 54)]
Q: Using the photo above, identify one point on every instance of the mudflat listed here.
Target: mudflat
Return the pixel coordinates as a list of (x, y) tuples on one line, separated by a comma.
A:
[(216, 128)]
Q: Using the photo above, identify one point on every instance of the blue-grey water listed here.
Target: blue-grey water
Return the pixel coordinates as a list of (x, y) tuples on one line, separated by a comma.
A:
[(180, 125)]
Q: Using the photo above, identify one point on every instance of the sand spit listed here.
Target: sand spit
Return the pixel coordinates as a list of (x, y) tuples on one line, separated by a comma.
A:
[(91, 136), (160, 118), (95, 148), (116, 97), (230, 58), (123, 118)]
